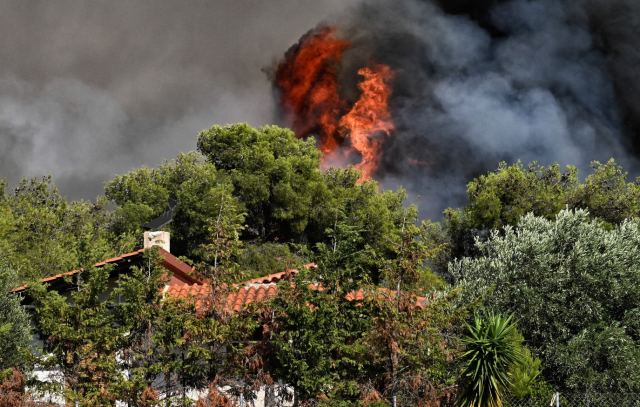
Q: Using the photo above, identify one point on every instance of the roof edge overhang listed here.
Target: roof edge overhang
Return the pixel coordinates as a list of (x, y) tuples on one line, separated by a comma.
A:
[(169, 261)]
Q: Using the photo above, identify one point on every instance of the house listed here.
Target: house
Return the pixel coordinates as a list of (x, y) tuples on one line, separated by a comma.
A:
[(183, 283)]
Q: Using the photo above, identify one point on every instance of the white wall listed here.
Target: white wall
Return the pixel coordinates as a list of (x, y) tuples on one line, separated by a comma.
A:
[(267, 396)]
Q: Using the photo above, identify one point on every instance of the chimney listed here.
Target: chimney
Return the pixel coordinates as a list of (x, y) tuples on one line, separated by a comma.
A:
[(158, 238)]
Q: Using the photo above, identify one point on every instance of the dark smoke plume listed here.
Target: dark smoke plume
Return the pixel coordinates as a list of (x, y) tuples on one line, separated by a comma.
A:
[(93, 88), (90, 89), (482, 81)]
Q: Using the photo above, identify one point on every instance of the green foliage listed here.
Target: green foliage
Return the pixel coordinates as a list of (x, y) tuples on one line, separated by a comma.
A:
[(214, 221), (82, 338), (253, 201), (526, 376), (249, 187), (602, 357), (141, 195), (261, 259), (114, 323), (136, 301), (168, 342), (316, 343), (411, 251), (491, 354), (571, 281), (502, 197), (410, 355), (15, 330), (205, 210), (275, 175), (339, 351), (355, 228), (607, 194), (631, 322), (116, 337), (42, 234)]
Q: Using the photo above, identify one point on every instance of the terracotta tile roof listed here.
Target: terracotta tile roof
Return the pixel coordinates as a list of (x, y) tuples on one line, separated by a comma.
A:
[(244, 295), (277, 277), (171, 262), (272, 278), (184, 285), (119, 258), (200, 293), (47, 280), (236, 300), (176, 265), (247, 295)]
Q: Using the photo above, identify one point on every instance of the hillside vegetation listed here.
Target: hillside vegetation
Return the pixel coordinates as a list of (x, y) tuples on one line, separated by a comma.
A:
[(540, 264)]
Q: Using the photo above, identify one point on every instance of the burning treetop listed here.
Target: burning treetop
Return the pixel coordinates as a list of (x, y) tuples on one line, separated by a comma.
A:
[(311, 97)]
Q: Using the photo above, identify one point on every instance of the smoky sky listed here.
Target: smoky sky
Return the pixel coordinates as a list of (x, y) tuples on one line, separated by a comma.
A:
[(92, 89), (89, 89), (478, 82)]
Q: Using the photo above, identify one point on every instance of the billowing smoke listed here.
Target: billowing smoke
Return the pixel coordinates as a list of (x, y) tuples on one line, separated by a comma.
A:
[(91, 89), (477, 82)]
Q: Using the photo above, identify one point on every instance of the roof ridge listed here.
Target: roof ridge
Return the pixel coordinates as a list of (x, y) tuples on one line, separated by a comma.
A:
[(276, 277), (168, 259)]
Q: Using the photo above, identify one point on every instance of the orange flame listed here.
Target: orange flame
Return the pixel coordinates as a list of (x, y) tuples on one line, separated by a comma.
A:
[(308, 81), (369, 117), (310, 96)]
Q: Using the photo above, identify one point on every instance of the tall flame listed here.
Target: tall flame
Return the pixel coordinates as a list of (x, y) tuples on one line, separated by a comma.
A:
[(309, 85), (310, 96), (369, 117)]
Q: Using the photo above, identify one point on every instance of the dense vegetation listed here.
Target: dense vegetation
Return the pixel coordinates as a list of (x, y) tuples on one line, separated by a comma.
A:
[(539, 270)]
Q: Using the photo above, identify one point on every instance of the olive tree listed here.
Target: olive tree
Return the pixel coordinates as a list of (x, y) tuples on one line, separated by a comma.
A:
[(573, 284)]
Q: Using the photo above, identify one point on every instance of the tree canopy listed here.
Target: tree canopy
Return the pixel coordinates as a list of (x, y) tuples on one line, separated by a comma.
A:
[(558, 252), (43, 234), (15, 332), (572, 282)]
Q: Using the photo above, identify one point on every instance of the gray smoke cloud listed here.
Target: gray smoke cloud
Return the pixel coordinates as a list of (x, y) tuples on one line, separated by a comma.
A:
[(484, 81), (91, 89)]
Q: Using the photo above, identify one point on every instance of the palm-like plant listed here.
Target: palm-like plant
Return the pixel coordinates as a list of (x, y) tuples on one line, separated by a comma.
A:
[(491, 352)]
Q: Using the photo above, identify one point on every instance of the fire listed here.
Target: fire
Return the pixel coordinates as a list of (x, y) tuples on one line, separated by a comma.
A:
[(369, 117), (310, 97), (309, 85)]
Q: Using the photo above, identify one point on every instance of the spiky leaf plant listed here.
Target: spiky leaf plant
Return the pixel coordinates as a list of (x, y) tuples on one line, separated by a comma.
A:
[(491, 352)]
